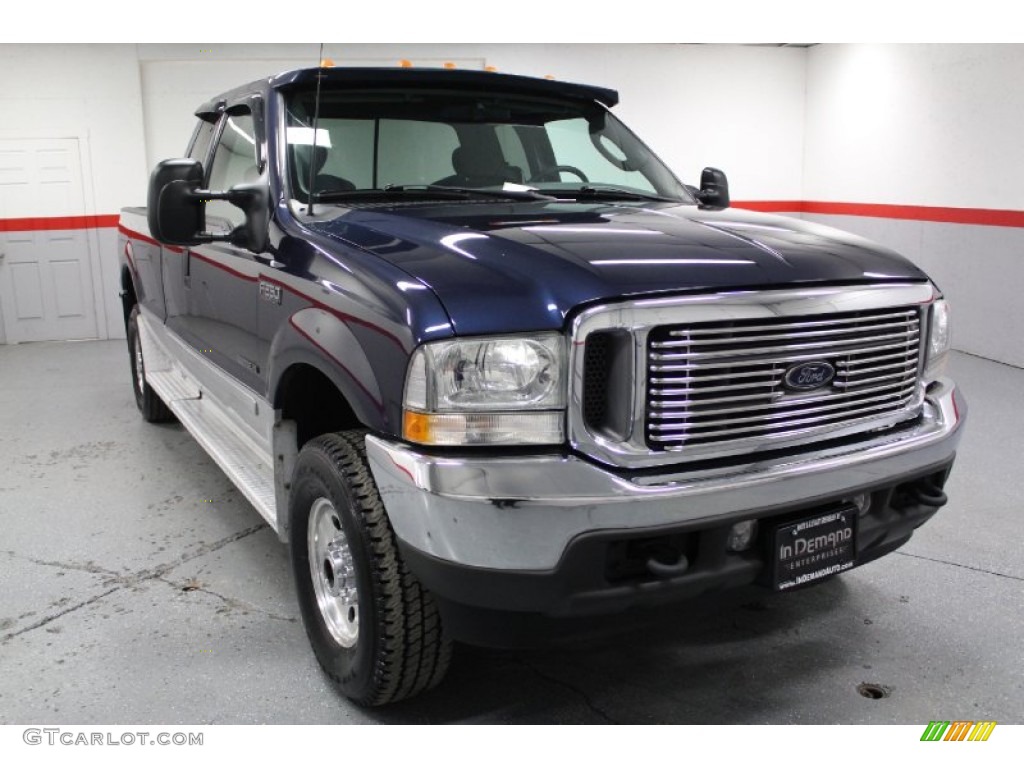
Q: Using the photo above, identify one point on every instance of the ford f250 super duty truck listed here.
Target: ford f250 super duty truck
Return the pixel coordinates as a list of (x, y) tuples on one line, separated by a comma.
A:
[(478, 356)]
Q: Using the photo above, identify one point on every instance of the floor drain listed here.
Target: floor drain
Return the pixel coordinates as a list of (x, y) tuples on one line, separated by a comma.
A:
[(872, 691)]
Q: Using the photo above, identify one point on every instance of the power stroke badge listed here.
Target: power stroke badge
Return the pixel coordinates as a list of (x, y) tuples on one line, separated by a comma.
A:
[(270, 292)]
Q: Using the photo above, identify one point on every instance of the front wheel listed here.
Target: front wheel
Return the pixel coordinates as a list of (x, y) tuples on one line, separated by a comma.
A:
[(374, 629)]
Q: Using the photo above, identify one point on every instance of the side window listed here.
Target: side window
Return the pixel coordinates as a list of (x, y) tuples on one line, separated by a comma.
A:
[(233, 163), (201, 140)]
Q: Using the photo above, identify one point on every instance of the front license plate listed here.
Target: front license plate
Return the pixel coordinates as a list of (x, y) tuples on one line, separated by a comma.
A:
[(814, 548)]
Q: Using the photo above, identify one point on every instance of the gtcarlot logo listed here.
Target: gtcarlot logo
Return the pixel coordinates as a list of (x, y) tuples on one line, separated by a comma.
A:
[(59, 736)]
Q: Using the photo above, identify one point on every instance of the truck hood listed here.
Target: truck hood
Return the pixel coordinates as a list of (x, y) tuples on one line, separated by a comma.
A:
[(505, 267)]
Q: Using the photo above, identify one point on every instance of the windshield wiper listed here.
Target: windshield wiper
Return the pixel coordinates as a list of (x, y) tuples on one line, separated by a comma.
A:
[(429, 191), (524, 193), (388, 193), (615, 193)]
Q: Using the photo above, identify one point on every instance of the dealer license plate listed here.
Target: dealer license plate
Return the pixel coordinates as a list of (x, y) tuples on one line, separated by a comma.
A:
[(814, 548)]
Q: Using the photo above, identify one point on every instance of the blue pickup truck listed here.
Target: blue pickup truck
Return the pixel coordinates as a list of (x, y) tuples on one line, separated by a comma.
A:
[(480, 358)]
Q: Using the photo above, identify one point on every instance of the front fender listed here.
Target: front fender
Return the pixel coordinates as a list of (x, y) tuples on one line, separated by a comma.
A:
[(320, 339)]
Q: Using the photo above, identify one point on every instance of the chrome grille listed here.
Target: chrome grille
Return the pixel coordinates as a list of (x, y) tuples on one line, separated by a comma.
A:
[(721, 383)]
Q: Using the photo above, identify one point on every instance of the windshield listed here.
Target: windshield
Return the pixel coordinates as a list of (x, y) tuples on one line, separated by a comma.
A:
[(414, 142)]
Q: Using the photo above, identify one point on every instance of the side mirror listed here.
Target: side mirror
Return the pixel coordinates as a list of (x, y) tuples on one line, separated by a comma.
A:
[(177, 207), (176, 214), (714, 189)]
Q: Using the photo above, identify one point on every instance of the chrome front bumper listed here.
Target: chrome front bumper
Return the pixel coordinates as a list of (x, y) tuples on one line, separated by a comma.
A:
[(521, 513)]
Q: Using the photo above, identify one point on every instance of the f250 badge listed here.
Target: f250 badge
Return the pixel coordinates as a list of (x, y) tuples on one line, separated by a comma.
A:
[(809, 375), (270, 292)]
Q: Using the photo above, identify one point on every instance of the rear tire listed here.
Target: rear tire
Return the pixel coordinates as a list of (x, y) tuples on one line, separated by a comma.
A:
[(374, 629), (152, 408)]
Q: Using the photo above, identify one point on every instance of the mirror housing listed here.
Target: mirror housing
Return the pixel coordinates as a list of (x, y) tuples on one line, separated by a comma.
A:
[(714, 189), (176, 207), (176, 215)]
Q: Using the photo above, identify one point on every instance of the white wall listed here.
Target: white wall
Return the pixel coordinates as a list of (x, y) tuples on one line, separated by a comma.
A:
[(89, 92), (915, 125), (929, 125)]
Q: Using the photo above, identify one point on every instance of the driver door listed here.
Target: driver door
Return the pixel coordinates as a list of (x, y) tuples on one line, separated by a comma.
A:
[(222, 280)]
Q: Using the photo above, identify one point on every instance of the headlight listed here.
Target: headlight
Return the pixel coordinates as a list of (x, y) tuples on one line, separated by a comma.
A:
[(490, 391), (940, 338)]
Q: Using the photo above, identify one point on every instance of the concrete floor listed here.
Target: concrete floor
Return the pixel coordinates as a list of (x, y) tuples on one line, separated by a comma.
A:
[(140, 587)]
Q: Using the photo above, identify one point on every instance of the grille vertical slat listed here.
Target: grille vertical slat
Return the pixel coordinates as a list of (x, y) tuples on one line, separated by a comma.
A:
[(722, 382)]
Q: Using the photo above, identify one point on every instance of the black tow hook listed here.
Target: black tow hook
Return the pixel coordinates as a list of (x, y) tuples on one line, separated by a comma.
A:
[(924, 492), (658, 568), (928, 495)]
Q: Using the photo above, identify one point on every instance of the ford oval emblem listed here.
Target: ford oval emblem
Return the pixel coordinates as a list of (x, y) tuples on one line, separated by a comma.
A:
[(813, 375)]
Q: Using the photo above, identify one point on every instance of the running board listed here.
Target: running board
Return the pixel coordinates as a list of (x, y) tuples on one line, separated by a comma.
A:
[(186, 382), (247, 466)]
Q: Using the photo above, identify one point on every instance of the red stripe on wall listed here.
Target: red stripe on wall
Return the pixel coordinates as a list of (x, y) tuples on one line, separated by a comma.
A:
[(770, 206), (991, 217), (50, 223)]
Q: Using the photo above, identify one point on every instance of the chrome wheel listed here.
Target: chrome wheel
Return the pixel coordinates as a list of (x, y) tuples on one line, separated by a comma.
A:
[(374, 628), (333, 573), (140, 369)]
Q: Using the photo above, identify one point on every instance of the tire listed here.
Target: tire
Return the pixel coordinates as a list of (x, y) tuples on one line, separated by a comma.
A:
[(152, 408), (374, 629)]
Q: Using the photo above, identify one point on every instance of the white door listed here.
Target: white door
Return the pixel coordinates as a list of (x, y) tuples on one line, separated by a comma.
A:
[(46, 280)]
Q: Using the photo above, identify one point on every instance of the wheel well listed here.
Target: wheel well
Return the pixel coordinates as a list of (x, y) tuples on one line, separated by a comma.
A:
[(307, 397), (128, 296)]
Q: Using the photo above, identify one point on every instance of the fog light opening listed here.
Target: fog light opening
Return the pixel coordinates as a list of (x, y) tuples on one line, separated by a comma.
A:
[(741, 536)]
